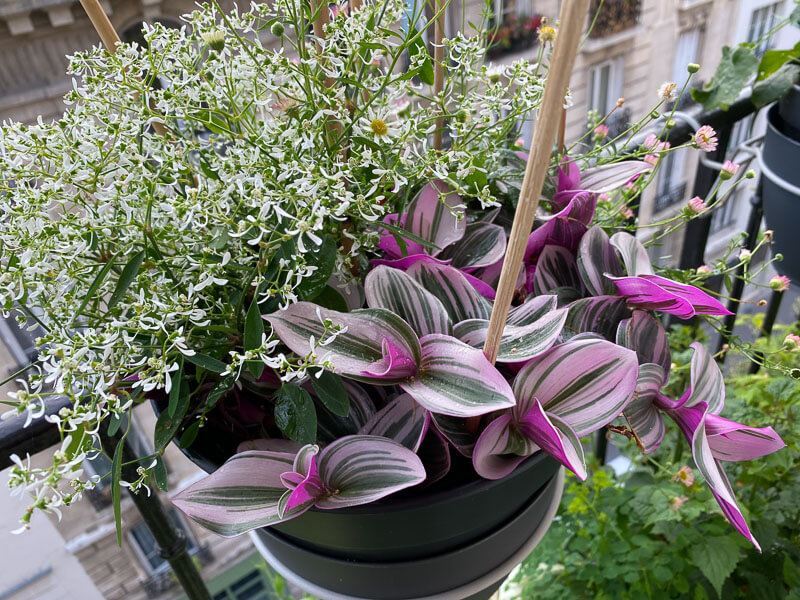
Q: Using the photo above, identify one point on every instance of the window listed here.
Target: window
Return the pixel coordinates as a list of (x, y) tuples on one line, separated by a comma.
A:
[(724, 215), (146, 547), (671, 186), (506, 10), (19, 342), (253, 586), (605, 86), (687, 50), (761, 21)]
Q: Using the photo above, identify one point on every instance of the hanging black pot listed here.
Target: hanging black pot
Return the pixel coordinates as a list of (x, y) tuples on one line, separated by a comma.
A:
[(781, 180), (457, 540)]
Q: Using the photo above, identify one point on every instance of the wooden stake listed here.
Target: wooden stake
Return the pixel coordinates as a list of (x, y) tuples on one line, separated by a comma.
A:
[(110, 38), (562, 131), (438, 68), (572, 20), (355, 5)]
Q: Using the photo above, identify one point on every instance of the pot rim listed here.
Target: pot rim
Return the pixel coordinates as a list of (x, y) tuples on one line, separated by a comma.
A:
[(772, 114), (471, 488)]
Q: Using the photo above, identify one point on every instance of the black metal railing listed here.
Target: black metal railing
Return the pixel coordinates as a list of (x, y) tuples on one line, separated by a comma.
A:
[(613, 16)]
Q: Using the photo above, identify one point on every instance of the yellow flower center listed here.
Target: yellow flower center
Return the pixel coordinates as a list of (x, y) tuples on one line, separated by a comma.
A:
[(547, 33), (378, 127)]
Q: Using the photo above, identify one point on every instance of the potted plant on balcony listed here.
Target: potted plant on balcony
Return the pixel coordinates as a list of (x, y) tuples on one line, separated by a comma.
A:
[(774, 77), (323, 304)]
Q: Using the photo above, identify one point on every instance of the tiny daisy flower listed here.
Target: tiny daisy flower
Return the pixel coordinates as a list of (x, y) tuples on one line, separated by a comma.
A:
[(685, 475), (705, 138), (745, 255), (704, 270), (779, 283), (520, 143), (678, 501), (696, 205), (667, 90), (651, 159), (600, 131), (791, 342), (729, 169), (546, 34), (627, 212)]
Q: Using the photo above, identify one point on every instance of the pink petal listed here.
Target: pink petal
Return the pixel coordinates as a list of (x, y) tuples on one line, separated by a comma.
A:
[(394, 364)]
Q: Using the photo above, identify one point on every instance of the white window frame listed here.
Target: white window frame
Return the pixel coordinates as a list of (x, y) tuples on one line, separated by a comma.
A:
[(613, 89)]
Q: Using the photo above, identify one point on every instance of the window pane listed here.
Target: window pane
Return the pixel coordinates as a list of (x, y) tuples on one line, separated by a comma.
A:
[(605, 75)]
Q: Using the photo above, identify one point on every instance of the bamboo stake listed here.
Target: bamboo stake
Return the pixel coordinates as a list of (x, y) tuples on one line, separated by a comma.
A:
[(355, 5), (562, 131), (438, 69), (572, 19), (110, 38)]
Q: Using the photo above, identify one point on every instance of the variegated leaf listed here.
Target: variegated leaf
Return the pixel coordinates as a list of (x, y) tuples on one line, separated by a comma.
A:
[(556, 268), (449, 285), (596, 257), (458, 432), (398, 292), (434, 452), (717, 480), (241, 495), (706, 381), (518, 344), (359, 469), (642, 415), (556, 437), (500, 449), (331, 427), (483, 244), (601, 315), (353, 351), (607, 178), (436, 215), (733, 442), (530, 311), (456, 380), (634, 256), (402, 420), (645, 335), (586, 382)]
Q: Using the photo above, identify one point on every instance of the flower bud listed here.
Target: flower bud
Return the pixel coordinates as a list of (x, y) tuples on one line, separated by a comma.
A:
[(214, 39), (779, 283), (768, 234), (761, 302), (277, 29), (750, 174), (729, 169), (779, 257), (693, 68), (745, 255), (792, 342)]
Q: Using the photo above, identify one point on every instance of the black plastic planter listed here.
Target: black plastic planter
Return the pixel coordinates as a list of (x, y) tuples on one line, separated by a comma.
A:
[(780, 160)]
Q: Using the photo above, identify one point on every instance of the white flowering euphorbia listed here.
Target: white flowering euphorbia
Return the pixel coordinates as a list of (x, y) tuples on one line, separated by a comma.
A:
[(143, 258)]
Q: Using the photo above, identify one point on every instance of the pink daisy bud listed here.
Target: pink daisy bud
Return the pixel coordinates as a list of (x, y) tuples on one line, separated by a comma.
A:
[(696, 205), (779, 283), (745, 255), (662, 146), (685, 476), (677, 502), (705, 138), (791, 342), (520, 143), (650, 142), (729, 169), (627, 212), (600, 131), (704, 270), (651, 159)]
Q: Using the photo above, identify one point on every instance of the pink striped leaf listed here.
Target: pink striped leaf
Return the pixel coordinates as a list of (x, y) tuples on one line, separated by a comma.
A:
[(658, 293), (733, 442), (436, 215), (500, 449), (455, 379), (645, 335), (706, 382), (586, 382), (600, 314), (402, 420), (458, 432), (483, 244), (241, 495), (633, 254), (643, 416), (451, 287), (556, 437), (610, 177), (596, 259), (556, 268), (372, 339), (359, 469)]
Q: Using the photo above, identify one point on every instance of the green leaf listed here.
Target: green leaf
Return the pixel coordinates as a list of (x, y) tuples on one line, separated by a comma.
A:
[(394, 229), (96, 283), (188, 436), (716, 557), (332, 393), (791, 573), (127, 276), (168, 425), (253, 332), (323, 257), (418, 47), (175, 389), (113, 425), (776, 85), (116, 476), (295, 414), (160, 474), (222, 387), (330, 298), (733, 72), (207, 362), (774, 60)]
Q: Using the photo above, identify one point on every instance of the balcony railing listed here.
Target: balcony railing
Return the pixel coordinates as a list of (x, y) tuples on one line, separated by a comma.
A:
[(613, 16)]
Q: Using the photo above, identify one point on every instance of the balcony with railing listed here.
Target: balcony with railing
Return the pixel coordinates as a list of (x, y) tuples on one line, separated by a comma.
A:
[(613, 16)]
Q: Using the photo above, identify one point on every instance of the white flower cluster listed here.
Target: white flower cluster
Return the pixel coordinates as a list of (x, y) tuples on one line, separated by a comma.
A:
[(130, 250)]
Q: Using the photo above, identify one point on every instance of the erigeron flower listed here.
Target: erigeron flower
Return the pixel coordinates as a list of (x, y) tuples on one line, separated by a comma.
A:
[(547, 34), (791, 342), (600, 131), (704, 270), (678, 501), (729, 169), (705, 138), (780, 283), (667, 91), (685, 475), (651, 159), (696, 205), (745, 255)]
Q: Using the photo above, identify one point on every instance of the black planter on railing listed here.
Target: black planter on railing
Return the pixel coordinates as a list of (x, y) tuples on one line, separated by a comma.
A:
[(780, 161), (456, 540)]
